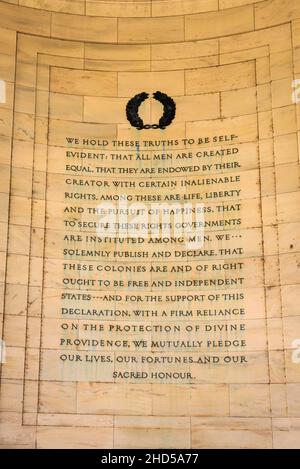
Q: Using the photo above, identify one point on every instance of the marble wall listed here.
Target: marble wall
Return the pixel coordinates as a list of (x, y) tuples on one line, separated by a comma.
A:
[(68, 68)]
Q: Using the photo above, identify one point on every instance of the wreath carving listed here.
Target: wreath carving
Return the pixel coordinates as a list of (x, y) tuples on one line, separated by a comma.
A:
[(132, 110)]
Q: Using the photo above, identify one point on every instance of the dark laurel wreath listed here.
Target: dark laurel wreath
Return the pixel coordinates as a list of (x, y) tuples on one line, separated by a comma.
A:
[(132, 110)]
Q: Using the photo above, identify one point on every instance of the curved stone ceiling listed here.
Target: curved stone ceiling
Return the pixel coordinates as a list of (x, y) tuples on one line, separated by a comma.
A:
[(167, 21)]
